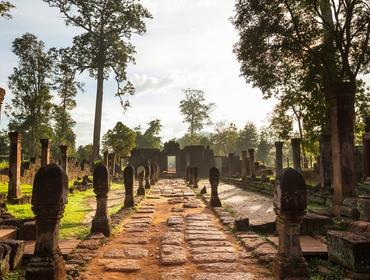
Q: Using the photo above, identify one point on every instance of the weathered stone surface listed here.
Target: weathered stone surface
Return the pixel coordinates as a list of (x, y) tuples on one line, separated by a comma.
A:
[(175, 220), (172, 255), (128, 177), (174, 274), (202, 243), (136, 240), (219, 236), (223, 276), (220, 267), (122, 266), (210, 249), (214, 257), (17, 250), (126, 252), (173, 238), (351, 250), (5, 251)]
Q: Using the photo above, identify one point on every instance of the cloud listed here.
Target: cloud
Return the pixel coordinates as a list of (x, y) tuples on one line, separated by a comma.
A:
[(143, 82)]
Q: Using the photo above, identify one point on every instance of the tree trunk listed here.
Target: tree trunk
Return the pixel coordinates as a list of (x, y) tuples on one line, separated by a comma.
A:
[(98, 113)]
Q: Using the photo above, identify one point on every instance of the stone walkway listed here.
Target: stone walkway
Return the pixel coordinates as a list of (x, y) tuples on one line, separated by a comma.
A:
[(173, 236), (258, 208)]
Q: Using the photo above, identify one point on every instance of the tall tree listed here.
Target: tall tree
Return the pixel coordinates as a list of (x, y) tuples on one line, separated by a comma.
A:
[(225, 138), (84, 152), (150, 138), (31, 107), (120, 140), (195, 110), (67, 88), (104, 46), (5, 7), (264, 146), (248, 137)]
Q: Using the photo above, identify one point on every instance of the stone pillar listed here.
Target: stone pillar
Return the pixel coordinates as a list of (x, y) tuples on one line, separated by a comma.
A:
[(231, 165), (49, 195), (278, 157), (366, 151), (101, 222), (152, 174), (342, 115), (14, 186), (63, 157), (325, 162), (128, 177), (147, 176), (251, 164), (106, 159), (244, 165), (195, 177), (187, 177), (290, 202), (112, 167), (248, 167), (191, 175), (45, 152), (214, 179), (296, 147), (141, 177)]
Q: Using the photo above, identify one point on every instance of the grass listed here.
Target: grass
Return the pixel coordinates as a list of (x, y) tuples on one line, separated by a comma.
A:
[(4, 164), (334, 272)]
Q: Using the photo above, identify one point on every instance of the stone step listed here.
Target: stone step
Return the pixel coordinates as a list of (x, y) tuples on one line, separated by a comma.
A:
[(310, 246), (9, 233)]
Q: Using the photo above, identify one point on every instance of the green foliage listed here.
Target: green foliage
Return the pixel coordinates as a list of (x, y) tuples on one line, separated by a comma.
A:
[(67, 88), (150, 138), (5, 7), (105, 45), (4, 143), (264, 147), (335, 272), (84, 152), (248, 137), (225, 138), (120, 140), (195, 110), (4, 164), (203, 139), (13, 275), (31, 107)]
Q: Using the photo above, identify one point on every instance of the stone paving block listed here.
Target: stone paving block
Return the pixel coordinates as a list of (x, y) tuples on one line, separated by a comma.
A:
[(202, 243), (172, 255), (252, 243), (141, 241), (210, 249), (130, 225), (223, 276), (209, 237), (122, 266), (220, 267), (126, 252), (175, 220), (173, 238), (205, 231), (143, 211), (174, 274), (214, 257), (136, 229), (141, 216)]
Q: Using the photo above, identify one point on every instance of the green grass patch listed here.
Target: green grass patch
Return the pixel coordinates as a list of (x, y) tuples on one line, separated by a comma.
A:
[(113, 210), (4, 164), (116, 186), (26, 188)]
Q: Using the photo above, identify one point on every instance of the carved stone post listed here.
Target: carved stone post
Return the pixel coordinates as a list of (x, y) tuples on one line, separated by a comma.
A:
[(14, 188), (231, 165), (214, 179), (278, 157), (45, 152), (325, 162), (128, 177), (101, 222), (248, 167), (296, 147), (141, 177), (252, 165), (290, 202), (187, 177), (244, 165), (195, 177), (49, 196), (152, 169), (341, 99), (147, 176), (64, 157)]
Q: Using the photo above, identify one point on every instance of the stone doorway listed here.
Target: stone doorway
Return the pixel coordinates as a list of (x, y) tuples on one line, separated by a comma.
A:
[(171, 164)]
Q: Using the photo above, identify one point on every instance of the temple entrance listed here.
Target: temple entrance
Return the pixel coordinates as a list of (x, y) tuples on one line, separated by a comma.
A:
[(171, 164)]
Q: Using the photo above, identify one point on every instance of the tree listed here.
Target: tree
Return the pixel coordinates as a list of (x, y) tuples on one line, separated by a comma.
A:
[(120, 140), (150, 138), (84, 152), (225, 138), (264, 146), (31, 107), (195, 110), (105, 44), (248, 138), (67, 88), (4, 143), (5, 7)]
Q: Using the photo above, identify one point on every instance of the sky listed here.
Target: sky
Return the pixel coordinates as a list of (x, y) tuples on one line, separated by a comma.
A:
[(188, 44)]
